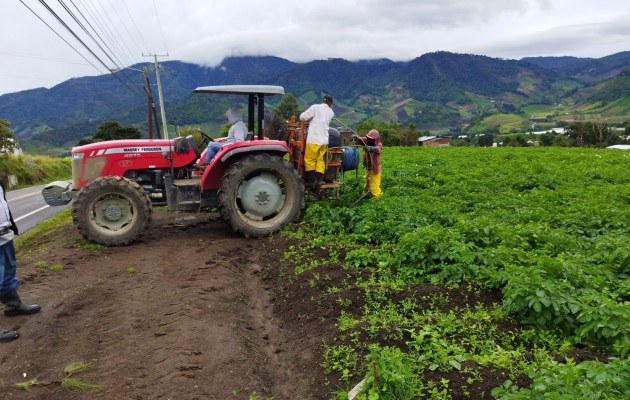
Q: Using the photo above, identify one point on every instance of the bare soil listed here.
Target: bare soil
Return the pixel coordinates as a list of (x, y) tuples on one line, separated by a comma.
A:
[(189, 311), (182, 313)]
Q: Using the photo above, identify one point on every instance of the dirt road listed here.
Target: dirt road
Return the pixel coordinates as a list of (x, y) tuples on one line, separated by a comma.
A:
[(186, 312)]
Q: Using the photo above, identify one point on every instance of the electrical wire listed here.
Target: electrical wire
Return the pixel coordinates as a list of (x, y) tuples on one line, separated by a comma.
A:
[(103, 43), (135, 26), (157, 16), (73, 33), (98, 42), (62, 38), (117, 40), (118, 65)]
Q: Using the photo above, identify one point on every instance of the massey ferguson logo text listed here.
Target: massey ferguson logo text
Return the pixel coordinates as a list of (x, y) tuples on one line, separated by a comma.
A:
[(138, 149), (129, 151)]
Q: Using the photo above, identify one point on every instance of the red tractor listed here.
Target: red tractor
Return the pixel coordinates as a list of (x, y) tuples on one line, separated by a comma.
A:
[(254, 184)]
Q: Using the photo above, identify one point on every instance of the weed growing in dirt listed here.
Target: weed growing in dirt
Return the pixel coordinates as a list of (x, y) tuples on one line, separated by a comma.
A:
[(41, 265), (76, 367), (256, 396), (131, 270), (87, 245), (341, 359), (27, 385), (71, 383)]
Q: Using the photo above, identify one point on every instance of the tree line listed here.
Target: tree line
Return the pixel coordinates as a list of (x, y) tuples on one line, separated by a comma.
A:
[(577, 134)]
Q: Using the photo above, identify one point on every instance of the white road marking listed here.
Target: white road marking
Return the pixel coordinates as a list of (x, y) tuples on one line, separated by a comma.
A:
[(31, 213)]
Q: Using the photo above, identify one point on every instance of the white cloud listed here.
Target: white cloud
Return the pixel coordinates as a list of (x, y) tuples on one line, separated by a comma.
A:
[(207, 31)]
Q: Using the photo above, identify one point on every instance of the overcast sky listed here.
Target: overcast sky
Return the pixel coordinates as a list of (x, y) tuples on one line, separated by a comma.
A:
[(124, 32)]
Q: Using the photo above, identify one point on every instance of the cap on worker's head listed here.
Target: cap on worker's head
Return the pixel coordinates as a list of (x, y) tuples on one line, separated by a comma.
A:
[(328, 99), (373, 134)]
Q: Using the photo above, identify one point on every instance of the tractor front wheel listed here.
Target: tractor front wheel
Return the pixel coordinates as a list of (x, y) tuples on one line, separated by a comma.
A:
[(112, 211), (260, 194)]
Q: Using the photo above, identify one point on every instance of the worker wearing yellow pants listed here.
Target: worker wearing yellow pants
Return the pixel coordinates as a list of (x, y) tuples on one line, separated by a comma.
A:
[(314, 163), (373, 184), (372, 147), (318, 116)]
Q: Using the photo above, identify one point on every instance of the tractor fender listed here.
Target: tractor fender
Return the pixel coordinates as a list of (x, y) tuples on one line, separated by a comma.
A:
[(212, 176), (264, 148)]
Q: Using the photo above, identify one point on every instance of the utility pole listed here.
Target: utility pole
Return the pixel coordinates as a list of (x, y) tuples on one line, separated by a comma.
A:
[(159, 84)]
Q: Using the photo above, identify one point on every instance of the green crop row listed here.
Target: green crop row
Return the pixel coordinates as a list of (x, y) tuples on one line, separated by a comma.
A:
[(546, 227)]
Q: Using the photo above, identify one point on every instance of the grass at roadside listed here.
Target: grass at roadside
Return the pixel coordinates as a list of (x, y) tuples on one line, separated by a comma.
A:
[(48, 227), (33, 170)]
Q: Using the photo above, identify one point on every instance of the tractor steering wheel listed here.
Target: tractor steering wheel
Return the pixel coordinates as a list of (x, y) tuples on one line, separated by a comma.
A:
[(205, 137)]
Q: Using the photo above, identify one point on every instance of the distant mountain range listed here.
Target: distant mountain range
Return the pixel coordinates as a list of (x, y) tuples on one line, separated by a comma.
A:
[(442, 92)]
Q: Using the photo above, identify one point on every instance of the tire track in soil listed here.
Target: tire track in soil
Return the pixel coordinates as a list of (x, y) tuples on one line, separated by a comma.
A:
[(193, 322)]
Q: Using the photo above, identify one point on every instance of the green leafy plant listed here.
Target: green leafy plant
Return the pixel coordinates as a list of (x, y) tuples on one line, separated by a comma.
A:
[(341, 359), (587, 380), (389, 376)]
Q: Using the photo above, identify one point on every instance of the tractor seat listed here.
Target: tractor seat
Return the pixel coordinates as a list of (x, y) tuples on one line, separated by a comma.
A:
[(193, 145)]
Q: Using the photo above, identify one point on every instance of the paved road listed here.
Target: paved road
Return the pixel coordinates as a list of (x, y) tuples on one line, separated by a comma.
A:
[(29, 208)]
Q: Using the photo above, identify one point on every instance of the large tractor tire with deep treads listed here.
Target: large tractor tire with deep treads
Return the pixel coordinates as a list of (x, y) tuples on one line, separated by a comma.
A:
[(112, 211), (260, 194)]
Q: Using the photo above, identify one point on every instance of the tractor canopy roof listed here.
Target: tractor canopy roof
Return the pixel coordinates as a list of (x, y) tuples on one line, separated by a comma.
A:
[(267, 90)]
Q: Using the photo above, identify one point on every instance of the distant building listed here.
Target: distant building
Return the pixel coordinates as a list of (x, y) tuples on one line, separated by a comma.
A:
[(434, 141), (559, 131)]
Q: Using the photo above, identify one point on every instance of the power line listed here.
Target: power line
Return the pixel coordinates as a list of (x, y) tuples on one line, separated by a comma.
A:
[(108, 31), (107, 43), (157, 16), (135, 26), (8, 53), (118, 65), (65, 25), (82, 26), (60, 37), (62, 22)]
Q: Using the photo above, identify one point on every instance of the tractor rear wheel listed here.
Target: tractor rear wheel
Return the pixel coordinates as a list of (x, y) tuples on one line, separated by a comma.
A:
[(260, 194), (112, 211)]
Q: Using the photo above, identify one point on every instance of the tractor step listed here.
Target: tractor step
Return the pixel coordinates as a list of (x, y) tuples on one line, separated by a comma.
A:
[(188, 194), (186, 182), (189, 203)]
